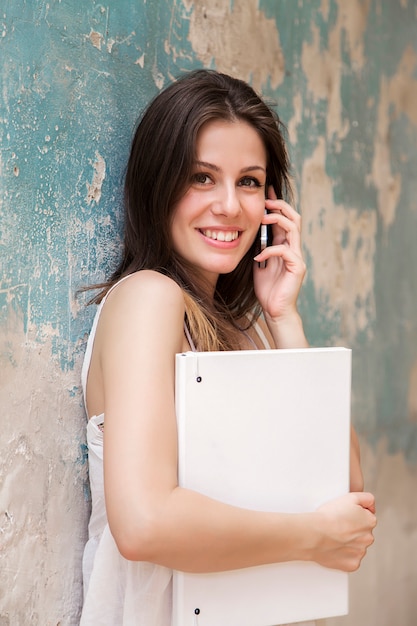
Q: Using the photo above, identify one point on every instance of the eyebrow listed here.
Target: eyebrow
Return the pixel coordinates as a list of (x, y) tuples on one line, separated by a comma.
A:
[(215, 168)]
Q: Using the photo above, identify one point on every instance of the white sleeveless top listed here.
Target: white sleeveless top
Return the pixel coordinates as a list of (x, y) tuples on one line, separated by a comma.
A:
[(118, 592)]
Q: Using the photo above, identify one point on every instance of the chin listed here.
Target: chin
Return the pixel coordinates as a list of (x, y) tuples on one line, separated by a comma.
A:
[(226, 268)]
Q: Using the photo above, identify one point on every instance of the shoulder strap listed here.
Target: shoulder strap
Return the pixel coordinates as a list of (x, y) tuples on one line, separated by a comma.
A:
[(90, 341), (262, 336), (189, 338)]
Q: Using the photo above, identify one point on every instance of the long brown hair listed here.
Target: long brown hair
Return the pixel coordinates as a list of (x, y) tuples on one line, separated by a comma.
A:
[(158, 174)]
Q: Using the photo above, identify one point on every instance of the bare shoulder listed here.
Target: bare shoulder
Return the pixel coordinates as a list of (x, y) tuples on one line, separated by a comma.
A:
[(145, 289), (145, 302)]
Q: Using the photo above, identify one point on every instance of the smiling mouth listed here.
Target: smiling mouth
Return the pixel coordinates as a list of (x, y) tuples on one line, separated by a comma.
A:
[(221, 235)]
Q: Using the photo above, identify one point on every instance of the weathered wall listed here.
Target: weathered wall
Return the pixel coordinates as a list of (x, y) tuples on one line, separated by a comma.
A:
[(74, 78)]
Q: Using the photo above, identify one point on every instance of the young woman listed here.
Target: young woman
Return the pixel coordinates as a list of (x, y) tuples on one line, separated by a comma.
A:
[(207, 158)]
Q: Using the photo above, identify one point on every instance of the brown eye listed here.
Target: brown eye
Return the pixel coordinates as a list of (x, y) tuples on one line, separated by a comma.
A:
[(201, 179), (250, 181)]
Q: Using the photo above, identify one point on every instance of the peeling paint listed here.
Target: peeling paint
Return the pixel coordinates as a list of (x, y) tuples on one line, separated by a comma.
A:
[(217, 35), (399, 94), (94, 190), (296, 119), (353, 19), (387, 183), (344, 289), (322, 70), (42, 506), (96, 39)]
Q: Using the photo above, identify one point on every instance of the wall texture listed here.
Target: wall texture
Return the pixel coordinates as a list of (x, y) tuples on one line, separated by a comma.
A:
[(74, 78)]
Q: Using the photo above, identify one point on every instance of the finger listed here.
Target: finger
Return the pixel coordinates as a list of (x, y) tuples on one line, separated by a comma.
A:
[(272, 197), (365, 500), (283, 207), (290, 228), (279, 218), (292, 260)]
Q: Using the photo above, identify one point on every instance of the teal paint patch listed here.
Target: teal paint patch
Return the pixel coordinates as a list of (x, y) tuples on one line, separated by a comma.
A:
[(74, 392), (391, 29), (74, 81), (83, 457), (395, 342), (345, 238), (321, 321), (86, 491)]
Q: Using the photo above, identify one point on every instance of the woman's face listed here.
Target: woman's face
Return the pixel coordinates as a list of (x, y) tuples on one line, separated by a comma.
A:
[(216, 221)]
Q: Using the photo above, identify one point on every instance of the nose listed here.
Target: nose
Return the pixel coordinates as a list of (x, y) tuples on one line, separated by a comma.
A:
[(227, 202)]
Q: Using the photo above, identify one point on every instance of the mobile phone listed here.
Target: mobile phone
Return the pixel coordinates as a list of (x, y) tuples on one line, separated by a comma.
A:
[(263, 238)]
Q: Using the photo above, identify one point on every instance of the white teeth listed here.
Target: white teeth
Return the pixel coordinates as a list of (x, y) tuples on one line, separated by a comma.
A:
[(221, 235)]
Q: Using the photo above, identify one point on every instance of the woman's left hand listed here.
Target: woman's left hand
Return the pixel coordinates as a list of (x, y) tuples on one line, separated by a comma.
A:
[(278, 284)]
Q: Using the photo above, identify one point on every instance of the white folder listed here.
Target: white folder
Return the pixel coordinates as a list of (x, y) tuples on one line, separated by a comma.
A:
[(267, 430)]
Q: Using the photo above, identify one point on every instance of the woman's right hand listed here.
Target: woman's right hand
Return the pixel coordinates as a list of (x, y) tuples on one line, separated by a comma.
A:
[(346, 525)]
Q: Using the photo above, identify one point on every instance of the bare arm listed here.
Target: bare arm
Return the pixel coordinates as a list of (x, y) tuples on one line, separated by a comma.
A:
[(356, 476), (151, 518)]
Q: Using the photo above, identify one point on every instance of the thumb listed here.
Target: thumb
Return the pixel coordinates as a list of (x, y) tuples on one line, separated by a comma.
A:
[(365, 500)]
